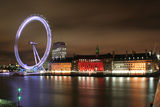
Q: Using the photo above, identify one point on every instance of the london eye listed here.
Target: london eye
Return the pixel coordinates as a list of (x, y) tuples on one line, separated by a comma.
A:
[(40, 61)]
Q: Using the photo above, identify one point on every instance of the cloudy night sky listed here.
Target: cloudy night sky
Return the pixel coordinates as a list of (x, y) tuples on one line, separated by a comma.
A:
[(82, 24)]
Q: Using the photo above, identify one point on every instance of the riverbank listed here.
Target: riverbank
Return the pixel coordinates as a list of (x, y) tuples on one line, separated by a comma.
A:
[(7, 103), (93, 74)]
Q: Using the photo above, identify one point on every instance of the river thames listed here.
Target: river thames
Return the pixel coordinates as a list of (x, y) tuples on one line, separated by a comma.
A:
[(66, 91)]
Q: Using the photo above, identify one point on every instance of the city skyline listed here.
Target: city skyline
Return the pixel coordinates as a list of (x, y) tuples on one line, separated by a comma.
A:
[(82, 25)]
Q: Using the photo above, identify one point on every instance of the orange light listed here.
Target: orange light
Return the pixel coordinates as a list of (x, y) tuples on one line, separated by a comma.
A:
[(138, 66), (61, 66)]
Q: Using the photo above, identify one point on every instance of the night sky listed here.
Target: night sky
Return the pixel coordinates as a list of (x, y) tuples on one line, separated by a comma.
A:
[(82, 24)]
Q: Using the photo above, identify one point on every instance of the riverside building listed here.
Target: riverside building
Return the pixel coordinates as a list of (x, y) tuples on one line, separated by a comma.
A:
[(135, 63), (130, 64), (91, 63), (61, 65), (59, 50)]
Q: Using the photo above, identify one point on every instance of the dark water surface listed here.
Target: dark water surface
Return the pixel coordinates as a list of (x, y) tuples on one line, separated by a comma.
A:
[(63, 91)]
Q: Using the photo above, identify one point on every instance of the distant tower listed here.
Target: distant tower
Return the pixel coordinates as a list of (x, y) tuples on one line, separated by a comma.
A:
[(97, 51), (59, 50)]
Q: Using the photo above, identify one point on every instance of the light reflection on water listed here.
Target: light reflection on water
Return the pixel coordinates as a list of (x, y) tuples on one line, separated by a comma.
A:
[(60, 91)]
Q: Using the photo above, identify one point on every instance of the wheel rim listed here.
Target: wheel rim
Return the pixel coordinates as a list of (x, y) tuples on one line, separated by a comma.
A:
[(49, 40)]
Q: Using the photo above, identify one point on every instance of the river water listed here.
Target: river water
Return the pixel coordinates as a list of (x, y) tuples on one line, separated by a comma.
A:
[(66, 91)]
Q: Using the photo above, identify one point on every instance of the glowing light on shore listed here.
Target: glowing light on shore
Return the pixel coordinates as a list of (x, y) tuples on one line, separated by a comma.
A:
[(128, 78), (107, 78), (61, 72), (128, 71)]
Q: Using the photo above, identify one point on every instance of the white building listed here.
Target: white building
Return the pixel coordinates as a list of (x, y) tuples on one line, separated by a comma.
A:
[(59, 50)]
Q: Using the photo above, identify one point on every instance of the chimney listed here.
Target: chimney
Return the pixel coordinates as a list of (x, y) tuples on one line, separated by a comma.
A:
[(133, 52), (146, 52), (126, 53), (151, 52), (113, 53)]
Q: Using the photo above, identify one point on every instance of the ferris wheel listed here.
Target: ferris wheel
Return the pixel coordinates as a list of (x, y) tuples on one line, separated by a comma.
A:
[(40, 61)]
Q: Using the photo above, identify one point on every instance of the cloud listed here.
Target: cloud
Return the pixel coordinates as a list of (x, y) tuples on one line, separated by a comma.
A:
[(118, 24)]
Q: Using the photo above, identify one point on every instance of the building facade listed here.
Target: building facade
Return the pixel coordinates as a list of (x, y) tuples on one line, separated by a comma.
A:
[(90, 65), (59, 50), (139, 63), (134, 63), (92, 62), (61, 65)]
